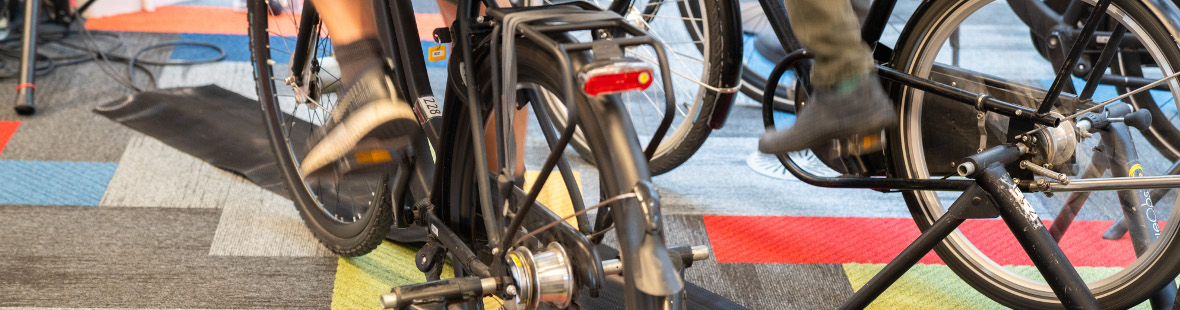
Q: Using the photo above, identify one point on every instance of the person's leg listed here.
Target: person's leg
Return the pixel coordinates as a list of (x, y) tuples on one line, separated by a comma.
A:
[(354, 36), (348, 20), (448, 8), (830, 29), (848, 99)]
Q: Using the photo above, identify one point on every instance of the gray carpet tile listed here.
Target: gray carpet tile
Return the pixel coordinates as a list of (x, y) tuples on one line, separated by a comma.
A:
[(235, 76), (153, 174), (167, 281), (255, 222), (777, 286), (55, 308), (64, 129), (261, 223), (143, 258), (44, 231)]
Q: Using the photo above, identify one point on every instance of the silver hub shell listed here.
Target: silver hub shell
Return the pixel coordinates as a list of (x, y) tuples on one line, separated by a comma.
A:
[(545, 276)]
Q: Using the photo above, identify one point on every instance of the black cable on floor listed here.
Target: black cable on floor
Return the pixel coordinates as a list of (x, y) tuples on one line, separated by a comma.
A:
[(90, 51)]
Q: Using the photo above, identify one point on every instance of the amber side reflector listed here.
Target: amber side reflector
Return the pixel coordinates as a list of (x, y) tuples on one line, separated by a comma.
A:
[(373, 157)]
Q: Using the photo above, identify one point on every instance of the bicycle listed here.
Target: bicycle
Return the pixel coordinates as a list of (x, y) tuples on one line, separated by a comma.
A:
[(975, 143), (472, 213)]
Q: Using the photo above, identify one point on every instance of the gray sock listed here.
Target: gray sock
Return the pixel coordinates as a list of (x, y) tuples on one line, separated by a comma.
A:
[(355, 58)]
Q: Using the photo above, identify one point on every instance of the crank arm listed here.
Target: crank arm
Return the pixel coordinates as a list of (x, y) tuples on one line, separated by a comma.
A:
[(441, 291)]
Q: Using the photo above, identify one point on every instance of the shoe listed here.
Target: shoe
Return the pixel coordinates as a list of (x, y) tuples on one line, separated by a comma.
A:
[(862, 112), (368, 126)]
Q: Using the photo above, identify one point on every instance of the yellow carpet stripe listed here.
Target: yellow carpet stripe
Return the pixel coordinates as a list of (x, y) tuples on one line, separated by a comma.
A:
[(937, 287), (360, 281), (554, 195)]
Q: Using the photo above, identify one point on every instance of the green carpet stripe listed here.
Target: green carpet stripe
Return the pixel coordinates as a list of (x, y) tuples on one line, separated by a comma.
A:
[(937, 287), (360, 281)]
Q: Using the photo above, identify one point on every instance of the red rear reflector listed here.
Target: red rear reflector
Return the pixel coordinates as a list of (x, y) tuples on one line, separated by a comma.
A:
[(616, 77)]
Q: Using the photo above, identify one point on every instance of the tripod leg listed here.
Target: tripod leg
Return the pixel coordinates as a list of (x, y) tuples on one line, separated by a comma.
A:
[(1026, 226), (28, 70), (956, 214)]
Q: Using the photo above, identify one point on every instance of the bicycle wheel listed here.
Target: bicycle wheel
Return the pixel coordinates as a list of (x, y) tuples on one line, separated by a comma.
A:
[(347, 214), (619, 171), (702, 39), (1003, 63)]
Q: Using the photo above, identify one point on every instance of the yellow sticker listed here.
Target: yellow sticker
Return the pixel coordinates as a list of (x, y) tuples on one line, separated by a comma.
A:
[(515, 260), (644, 78), (1136, 171), (437, 53)]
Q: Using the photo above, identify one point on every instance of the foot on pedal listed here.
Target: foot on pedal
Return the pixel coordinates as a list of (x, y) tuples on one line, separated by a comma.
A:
[(861, 112), (368, 125)]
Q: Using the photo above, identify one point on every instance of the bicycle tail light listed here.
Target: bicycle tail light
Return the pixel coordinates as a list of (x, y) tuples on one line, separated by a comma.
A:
[(615, 76)]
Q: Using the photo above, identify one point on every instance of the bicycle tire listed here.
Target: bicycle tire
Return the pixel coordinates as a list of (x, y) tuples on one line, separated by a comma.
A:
[(536, 66), (347, 238), (720, 20), (915, 54)]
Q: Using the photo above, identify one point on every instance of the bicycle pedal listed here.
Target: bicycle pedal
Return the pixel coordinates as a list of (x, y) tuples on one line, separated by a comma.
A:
[(362, 160), (858, 145)]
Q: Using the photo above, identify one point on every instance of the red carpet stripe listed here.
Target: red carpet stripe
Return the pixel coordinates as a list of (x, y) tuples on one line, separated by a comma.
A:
[(7, 129), (840, 240), (215, 20)]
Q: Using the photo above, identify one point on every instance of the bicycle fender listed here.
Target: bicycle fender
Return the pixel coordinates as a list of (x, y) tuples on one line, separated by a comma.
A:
[(731, 73), (641, 229)]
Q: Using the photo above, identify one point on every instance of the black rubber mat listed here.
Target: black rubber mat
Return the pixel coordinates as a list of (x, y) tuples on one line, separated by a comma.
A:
[(218, 126)]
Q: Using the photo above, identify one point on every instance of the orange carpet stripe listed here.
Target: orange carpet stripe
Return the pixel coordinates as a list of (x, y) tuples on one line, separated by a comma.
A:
[(215, 20), (7, 129)]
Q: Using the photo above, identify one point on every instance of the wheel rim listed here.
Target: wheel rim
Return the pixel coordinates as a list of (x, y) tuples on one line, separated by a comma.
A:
[(345, 199), (933, 205)]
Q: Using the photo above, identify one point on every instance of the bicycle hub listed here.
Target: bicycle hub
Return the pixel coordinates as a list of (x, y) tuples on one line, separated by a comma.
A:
[(545, 276), (1053, 146)]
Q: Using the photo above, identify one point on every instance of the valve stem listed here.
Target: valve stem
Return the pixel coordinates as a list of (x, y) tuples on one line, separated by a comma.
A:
[(1045, 172)]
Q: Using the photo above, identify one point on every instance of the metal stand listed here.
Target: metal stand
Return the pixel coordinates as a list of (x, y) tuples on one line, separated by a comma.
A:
[(993, 194), (28, 70)]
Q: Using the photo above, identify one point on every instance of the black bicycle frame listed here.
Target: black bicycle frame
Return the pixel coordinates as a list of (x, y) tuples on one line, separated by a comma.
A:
[(432, 159)]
